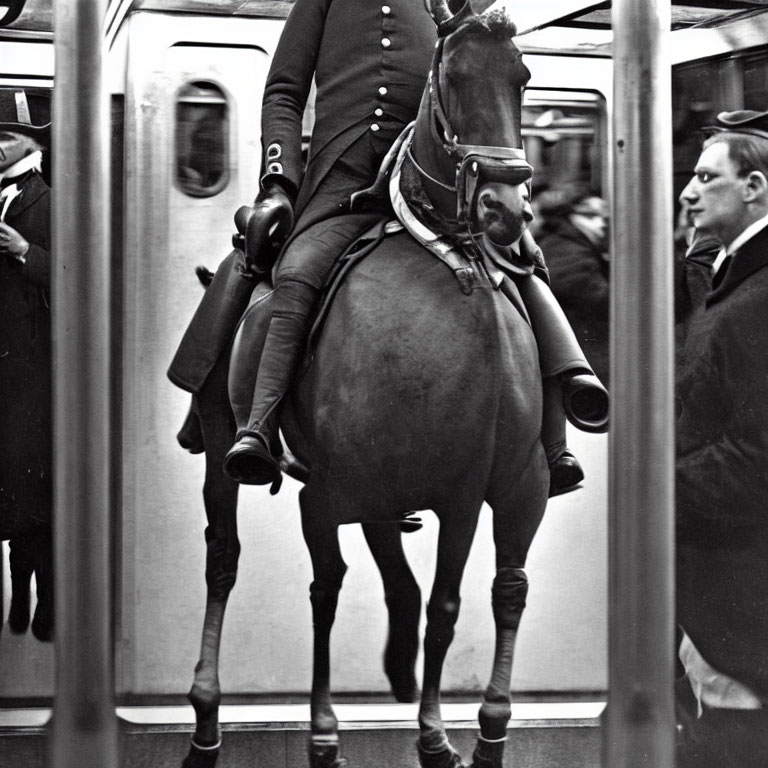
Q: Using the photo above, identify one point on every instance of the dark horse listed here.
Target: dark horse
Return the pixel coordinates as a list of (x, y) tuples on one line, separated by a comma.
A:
[(422, 392)]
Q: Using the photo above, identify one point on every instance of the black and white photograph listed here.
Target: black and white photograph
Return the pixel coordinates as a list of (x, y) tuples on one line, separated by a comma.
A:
[(383, 384)]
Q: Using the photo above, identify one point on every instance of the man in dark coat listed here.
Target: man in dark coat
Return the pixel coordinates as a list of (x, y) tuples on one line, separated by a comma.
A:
[(722, 461), (25, 356), (574, 243)]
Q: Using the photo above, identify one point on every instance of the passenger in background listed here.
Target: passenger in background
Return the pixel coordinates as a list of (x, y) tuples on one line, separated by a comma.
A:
[(25, 358), (722, 461), (574, 238)]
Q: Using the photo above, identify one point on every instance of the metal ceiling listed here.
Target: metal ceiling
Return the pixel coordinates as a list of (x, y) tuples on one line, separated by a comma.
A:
[(685, 14), (31, 16)]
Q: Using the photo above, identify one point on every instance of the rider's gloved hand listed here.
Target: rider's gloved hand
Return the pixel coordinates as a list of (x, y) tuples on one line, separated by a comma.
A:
[(263, 227)]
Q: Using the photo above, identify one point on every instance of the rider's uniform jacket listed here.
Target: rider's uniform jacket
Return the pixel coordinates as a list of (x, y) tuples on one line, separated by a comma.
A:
[(370, 60)]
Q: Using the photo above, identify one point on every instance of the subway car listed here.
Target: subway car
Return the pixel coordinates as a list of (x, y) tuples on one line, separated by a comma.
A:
[(185, 80)]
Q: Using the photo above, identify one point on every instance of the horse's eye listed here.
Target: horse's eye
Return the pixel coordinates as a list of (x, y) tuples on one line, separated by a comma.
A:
[(704, 176)]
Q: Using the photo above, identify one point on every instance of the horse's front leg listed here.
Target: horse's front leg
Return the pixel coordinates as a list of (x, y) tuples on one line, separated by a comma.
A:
[(328, 568), (222, 553), (457, 530), (403, 598), (516, 517)]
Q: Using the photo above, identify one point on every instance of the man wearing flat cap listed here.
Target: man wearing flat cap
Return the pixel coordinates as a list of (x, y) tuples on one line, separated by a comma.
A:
[(722, 461), (25, 355)]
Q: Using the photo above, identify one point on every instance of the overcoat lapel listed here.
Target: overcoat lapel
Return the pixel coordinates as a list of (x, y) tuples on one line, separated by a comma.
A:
[(751, 257)]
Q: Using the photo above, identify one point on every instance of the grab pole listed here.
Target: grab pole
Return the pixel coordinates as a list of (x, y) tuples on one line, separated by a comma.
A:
[(639, 722), (84, 727)]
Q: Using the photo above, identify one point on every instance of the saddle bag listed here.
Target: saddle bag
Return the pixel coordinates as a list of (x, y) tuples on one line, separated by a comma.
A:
[(213, 325)]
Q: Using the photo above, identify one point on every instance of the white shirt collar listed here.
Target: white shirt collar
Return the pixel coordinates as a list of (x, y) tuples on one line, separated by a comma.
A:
[(746, 235), (32, 161)]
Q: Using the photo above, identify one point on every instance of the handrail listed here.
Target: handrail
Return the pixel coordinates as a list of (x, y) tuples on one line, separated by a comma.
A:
[(639, 723), (84, 727)]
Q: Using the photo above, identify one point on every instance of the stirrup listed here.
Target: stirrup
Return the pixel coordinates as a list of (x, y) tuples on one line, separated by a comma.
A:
[(250, 462)]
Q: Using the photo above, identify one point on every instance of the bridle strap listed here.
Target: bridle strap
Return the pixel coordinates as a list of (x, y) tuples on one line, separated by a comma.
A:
[(450, 139), (424, 173)]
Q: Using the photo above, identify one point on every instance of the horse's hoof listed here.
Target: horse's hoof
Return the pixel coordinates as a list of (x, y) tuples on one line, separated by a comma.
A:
[(446, 758), (18, 616), (42, 624), (488, 754), (400, 666), (402, 681), (201, 757), (325, 754)]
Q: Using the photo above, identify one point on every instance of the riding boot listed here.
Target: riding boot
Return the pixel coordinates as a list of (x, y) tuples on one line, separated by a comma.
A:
[(251, 460), (565, 472), (584, 397)]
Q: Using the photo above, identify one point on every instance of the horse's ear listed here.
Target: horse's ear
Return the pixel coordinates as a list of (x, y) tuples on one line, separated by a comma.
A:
[(439, 11), (447, 21)]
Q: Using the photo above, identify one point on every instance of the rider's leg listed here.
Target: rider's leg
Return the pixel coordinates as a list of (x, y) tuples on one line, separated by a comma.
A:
[(571, 389), (301, 275)]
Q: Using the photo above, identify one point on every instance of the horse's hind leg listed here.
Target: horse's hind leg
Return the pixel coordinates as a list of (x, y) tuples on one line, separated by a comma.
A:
[(42, 622), (516, 518), (222, 553), (328, 568), (22, 566), (403, 598)]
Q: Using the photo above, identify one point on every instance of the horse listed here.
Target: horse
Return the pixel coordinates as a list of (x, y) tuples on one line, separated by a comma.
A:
[(423, 391), (210, 428)]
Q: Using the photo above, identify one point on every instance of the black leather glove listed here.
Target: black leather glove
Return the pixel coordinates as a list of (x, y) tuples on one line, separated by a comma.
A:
[(263, 227)]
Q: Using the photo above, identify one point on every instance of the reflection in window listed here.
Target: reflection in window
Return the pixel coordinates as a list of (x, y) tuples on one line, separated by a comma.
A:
[(202, 125)]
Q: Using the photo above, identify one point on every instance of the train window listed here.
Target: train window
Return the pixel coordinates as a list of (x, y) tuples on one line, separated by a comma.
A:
[(202, 147), (563, 133), (702, 89), (756, 82)]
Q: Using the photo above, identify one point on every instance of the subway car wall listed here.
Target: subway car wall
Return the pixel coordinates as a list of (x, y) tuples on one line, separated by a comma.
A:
[(186, 93)]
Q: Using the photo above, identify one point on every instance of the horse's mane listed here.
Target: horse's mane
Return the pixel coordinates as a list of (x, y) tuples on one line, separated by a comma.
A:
[(497, 22)]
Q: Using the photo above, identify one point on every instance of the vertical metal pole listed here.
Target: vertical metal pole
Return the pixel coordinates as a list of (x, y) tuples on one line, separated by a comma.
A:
[(639, 724), (84, 729)]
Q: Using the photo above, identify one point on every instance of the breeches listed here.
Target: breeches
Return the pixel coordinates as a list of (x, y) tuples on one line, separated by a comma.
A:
[(309, 258)]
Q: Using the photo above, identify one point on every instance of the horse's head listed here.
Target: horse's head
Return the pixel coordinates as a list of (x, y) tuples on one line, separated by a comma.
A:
[(468, 131)]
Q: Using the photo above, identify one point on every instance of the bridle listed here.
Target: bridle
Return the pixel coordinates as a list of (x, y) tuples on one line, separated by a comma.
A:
[(473, 162)]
